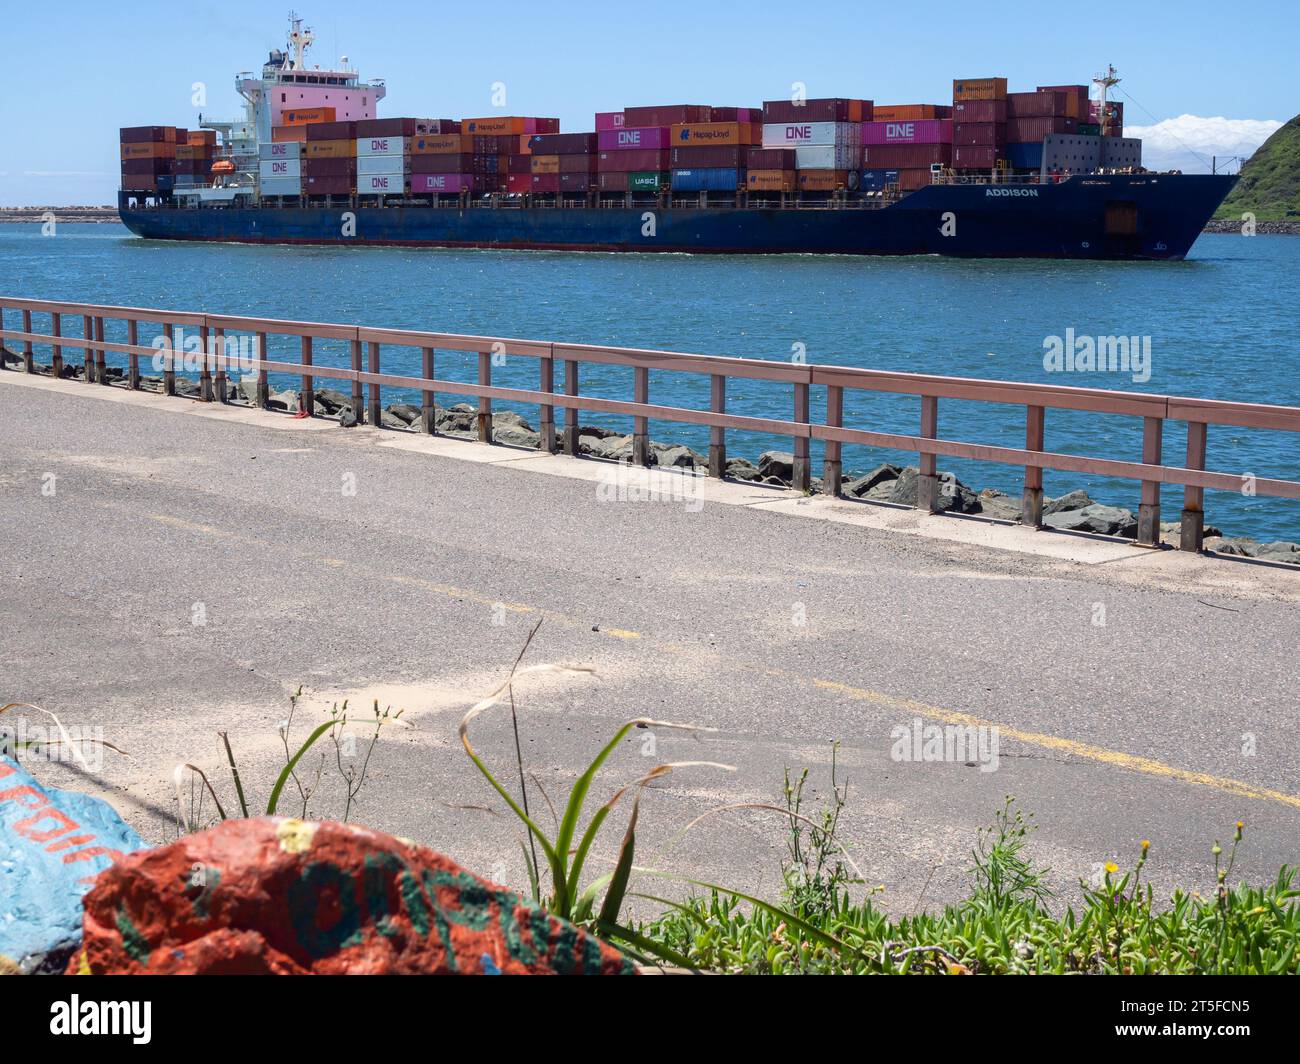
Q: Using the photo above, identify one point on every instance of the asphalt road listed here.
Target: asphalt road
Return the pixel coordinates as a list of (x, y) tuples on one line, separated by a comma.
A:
[(186, 573)]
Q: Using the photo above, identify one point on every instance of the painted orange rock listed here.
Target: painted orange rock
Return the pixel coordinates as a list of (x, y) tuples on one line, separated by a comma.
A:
[(291, 897)]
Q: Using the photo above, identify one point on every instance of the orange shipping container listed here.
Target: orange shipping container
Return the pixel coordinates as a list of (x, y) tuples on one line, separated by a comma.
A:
[(443, 144), (823, 180), (331, 149), (906, 112), (308, 117), (979, 89), (288, 134), (494, 127), (707, 134), (546, 164), (911, 180), (203, 136), (149, 150), (770, 181), (194, 151)]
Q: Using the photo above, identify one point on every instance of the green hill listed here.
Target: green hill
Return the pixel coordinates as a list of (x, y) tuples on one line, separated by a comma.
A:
[(1270, 180)]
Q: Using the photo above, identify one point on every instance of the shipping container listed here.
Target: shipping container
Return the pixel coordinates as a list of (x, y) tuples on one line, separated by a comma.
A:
[(632, 161), (321, 167), (433, 127), (148, 150), (320, 185), (287, 134), (442, 164), (979, 89), (906, 112), (1076, 99), (980, 111), (648, 180), (332, 131), (331, 149), (1089, 129), (495, 144), (444, 144), (546, 182), (1041, 104), (281, 186), (709, 133), (827, 157), (486, 164), (577, 182), (382, 146), (795, 134), (484, 184), (1025, 156), (826, 180), (427, 184), (307, 117), (507, 126), (669, 115), (637, 138), (690, 158), (545, 164), (708, 179), (912, 179), (147, 135), (904, 156), (753, 115), (195, 151), (578, 164), (1023, 130), (608, 120), (979, 133), (877, 180), (202, 136), (280, 168), (562, 143), (381, 184), (771, 159), (149, 183), (825, 110), (613, 181), (771, 181), (521, 164), (390, 127), (974, 157), (519, 183), (154, 166), (383, 164), (920, 131), (292, 150)]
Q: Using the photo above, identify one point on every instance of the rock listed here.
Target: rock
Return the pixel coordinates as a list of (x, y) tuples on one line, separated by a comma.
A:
[(1240, 547), (389, 420), (999, 506), (332, 400), (187, 387), (597, 431), (514, 436), (776, 465), (882, 474), (283, 401), (618, 448), (509, 419), (1075, 500), (348, 418), (681, 457), (1280, 551), (741, 469), (953, 497), (278, 896), (457, 420), (246, 390), (409, 414), (52, 844), (1095, 518)]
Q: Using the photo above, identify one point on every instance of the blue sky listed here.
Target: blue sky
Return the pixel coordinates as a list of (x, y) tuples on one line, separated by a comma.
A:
[(83, 69)]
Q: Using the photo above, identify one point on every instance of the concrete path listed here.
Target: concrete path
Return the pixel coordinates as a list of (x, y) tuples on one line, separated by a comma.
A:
[(171, 570)]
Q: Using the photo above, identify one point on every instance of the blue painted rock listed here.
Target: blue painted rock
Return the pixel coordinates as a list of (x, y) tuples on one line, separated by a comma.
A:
[(291, 897), (52, 845)]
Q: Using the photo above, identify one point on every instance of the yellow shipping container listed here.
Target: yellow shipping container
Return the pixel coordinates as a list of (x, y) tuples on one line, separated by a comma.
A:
[(331, 149), (546, 164), (979, 89), (770, 181), (707, 134)]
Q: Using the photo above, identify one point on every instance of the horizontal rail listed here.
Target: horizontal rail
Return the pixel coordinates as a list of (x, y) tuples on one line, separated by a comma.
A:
[(1155, 410)]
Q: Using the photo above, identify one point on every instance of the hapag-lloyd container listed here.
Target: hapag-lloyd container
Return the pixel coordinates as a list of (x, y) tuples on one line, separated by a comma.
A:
[(922, 131), (331, 149), (827, 157), (796, 134), (509, 126), (545, 164), (827, 180), (291, 150), (443, 144), (706, 134), (639, 138), (770, 181), (425, 184), (381, 146)]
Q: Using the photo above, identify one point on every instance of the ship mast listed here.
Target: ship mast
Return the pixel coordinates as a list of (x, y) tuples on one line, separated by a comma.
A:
[(301, 39), (1105, 82)]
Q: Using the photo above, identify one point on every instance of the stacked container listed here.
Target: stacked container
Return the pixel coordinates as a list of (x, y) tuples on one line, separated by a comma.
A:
[(442, 161), (1111, 121), (1031, 118), (194, 157), (280, 168), (902, 151), (632, 146), (979, 123), (329, 159), (825, 136), (500, 159), (713, 156), (148, 158), (562, 162)]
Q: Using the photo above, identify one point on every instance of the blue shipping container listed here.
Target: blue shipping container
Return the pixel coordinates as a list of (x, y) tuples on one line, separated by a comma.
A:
[(1025, 156), (875, 180), (709, 179)]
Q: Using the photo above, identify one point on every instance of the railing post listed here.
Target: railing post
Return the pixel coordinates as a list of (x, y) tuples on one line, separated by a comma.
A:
[(833, 467), (29, 361), (133, 359), (428, 403), (571, 412), (1031, 508), (802, 473), (717, 433), (373, 415), (56, 349), (205, 366), (1149, 509), (219, 384), (88, 350), (358, 392), (1192, 534), (307, 401), (101, 359), (547, 411), (484, 403), (927, 491), (263, 378), (169, 359), (641, 425)]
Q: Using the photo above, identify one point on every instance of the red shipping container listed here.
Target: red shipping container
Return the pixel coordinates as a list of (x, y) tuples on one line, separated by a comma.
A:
[(577, 182), (736, 114), (519, 164), (613, 181), (905, 156), (562, 143), (148, 135), (577, 164), (495, 145), (329, 167), (979, 133), (1024, 130), (434, 127), (1041, 104), (148, 166), (1076, 103), (486, 183), (828, 110), (332, 131), (546, 182), (628, 162), (734, 157), (634, 117), (402, 127), (974, 157), (519, 183), (912, 179), (771, 158), (328, 186), (980, 111), (443, 164), (485, 164)]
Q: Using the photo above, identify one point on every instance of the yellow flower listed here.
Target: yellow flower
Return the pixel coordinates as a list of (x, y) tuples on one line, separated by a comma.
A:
[(1112, 867), (1146, 844)]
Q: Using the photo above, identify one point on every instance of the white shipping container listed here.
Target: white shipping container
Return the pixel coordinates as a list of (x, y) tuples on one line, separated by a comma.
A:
[(381, 146), (383, 164), (280, 168), (292, 150), (827, 157), (796, 134), (381, 184), (281, 186)]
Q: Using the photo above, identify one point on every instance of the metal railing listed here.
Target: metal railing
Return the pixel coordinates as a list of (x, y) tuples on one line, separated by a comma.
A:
[(366, 372)]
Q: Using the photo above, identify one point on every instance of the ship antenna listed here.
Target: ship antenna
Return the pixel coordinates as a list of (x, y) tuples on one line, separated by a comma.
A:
[(1105, 82), (300, 39)]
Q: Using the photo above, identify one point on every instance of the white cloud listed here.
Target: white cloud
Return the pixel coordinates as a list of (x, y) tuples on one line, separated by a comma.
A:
[(1188, 142)]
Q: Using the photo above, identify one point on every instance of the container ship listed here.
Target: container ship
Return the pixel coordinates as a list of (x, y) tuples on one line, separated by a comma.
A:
[(1046, 173)]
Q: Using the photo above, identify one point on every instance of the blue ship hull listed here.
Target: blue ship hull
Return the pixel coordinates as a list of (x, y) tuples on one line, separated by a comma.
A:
[(1143, 216)]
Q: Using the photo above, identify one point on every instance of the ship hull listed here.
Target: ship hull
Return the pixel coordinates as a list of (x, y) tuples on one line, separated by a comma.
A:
[(1153, 217)]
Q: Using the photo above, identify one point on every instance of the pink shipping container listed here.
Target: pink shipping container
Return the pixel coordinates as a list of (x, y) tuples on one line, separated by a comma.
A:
[(425, 184), (635, 138), (669, 115), (921, 131), (609, 120)]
